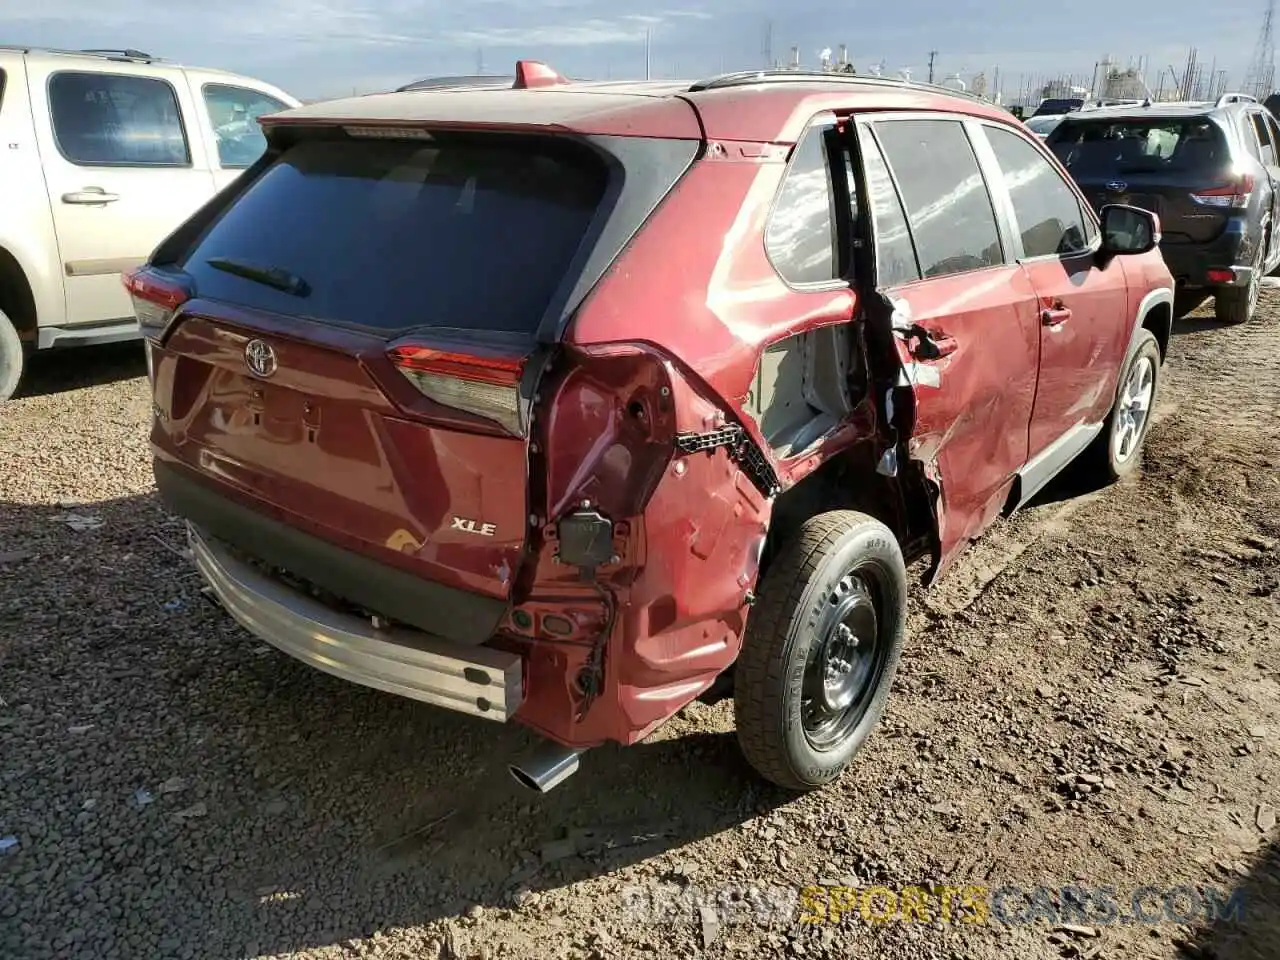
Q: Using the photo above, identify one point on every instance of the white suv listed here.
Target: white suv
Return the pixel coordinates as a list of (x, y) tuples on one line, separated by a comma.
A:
[(102, 154)]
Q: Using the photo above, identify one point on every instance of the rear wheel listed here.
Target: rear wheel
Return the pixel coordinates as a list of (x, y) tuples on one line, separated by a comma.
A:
[(1237, 304), (820, 649), (12, 358)]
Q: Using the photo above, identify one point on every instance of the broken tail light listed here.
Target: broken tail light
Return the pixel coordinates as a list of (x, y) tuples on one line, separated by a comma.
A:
[(157, 296), (488, 387), (1233, 195)]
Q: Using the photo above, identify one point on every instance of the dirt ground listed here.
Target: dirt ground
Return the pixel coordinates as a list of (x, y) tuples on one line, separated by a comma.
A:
[(1091, 700)]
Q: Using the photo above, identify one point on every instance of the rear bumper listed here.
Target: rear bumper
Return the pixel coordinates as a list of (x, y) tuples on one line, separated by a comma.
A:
[(475, 680), (459, 616), (1190, 263)]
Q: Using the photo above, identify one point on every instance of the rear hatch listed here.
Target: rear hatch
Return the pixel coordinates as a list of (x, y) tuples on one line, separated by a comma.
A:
[(365, 325), (1177, 167)]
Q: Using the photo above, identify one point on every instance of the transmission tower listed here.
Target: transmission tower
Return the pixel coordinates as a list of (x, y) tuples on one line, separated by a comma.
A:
[(1259, 79)]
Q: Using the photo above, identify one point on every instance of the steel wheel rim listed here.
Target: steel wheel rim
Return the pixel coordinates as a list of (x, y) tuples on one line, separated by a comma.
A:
[(1133, 409), (844, 664)]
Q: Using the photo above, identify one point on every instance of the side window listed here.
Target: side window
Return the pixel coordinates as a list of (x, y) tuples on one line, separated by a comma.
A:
[(1249, 134), (114, 118), (1046, 208), (800, 238), (948, 207), (1264, 139), (1, 89), (895, 255), (1275, 132), (233, 114)]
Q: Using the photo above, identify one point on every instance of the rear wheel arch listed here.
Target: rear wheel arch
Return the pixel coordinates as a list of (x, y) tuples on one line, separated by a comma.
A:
[(17, 299)]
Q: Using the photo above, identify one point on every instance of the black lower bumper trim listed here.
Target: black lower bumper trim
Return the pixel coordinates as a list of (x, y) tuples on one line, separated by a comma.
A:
[(457, 615)]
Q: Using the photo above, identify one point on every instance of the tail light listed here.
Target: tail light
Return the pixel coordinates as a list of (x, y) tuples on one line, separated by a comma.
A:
[(488, 387), (156, 298), (1234, 195)]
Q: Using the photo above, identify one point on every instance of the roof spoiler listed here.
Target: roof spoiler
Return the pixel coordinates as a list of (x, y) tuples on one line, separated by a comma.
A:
[(535, 73)]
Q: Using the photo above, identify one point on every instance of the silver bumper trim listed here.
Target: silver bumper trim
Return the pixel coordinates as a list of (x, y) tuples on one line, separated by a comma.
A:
[(476, 680)]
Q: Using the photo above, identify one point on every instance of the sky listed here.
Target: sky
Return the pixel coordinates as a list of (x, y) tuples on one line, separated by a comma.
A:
[(327, 48)]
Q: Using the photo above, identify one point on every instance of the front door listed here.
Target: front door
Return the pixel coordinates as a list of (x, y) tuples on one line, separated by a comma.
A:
[(122, 168), (1082, 302), (964, 316)]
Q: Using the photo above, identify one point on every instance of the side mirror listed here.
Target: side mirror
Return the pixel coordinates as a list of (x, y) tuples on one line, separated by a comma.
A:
[(1128, 229)]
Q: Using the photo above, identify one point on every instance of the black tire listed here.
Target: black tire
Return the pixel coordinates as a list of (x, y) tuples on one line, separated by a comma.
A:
[(840, 566), (1103, 456), (1236, 305), (12, 358)]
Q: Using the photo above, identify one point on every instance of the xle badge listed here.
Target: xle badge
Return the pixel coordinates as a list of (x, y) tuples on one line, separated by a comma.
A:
[(473, 526)]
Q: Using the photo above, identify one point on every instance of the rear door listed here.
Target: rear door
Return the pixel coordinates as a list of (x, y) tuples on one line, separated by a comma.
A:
[(357, 355), (964, 315), (228, 118), (1082, 306), (122, 170)]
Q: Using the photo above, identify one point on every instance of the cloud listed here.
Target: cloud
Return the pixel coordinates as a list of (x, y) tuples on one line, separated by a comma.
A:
[(321, 47)]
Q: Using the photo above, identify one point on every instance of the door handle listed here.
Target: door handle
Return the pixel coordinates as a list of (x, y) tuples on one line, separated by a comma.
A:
[(90, 195), (1054, 316), (928, 345)]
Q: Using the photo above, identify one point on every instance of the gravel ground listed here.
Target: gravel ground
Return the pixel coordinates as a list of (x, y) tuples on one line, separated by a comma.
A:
[(1092, 698)]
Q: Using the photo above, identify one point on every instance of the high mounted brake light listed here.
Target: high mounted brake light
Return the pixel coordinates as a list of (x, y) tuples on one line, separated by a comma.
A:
[(489, 387), (156, 298), (1233, 195)]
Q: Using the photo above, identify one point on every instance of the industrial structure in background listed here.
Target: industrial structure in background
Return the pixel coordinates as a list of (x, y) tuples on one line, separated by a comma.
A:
[(1110, 79)]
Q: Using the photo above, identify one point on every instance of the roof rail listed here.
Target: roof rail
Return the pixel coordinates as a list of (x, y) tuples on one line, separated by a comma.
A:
[(448, 83), (747, 78), (1235, 98), (108, 54), (128, 53)]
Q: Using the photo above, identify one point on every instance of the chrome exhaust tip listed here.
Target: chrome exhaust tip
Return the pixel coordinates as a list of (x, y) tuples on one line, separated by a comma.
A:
[(548, 766)]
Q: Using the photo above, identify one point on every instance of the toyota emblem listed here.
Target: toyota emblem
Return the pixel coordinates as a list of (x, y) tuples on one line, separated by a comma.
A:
[(260, 358)]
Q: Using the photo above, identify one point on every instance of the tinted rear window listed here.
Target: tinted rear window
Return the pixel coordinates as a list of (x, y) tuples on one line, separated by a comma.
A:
[(1102, 147), (392, 235)]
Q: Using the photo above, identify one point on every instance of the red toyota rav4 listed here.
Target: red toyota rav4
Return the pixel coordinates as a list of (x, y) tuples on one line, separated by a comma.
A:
[(560, 402)]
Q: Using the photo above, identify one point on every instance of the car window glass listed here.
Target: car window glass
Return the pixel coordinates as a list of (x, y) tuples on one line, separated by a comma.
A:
[(800, 238), (1274, 131), (1249, 134), (1046, 208), (1092, 147), (114, 118), (386, 234), (946, 199), (895, 255), (1264, 139), (233, 113)]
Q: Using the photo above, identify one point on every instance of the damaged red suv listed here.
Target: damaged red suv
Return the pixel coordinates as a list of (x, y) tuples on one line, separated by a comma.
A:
[(568, 403)]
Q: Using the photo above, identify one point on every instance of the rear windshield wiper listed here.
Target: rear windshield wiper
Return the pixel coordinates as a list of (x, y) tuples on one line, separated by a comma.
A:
[(270, 276)]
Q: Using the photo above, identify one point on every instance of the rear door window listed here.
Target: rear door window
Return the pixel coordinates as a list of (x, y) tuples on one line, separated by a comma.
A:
[(895, 255), (386, 235), (1274, 131), (948, 206), (1047, 210), (1268, 148), (118, 120), (233, 113), (800, 238)]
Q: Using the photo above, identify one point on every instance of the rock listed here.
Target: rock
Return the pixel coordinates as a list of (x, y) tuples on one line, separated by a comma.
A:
[(710, 926), (1265, 817)]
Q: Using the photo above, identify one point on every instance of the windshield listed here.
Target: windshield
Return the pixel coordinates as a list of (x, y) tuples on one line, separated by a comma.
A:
[(1102, 147)]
